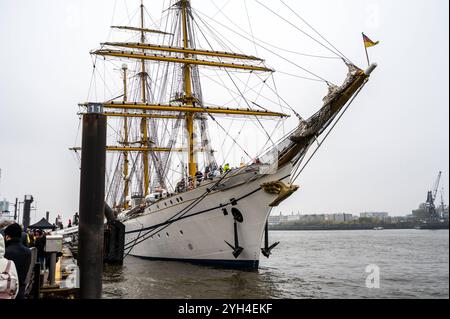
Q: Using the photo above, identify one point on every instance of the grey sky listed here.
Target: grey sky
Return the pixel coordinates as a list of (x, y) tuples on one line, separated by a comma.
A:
[(384, 155)]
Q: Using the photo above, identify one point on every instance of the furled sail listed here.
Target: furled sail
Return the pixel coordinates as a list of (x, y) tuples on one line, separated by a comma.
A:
[(333, 102)]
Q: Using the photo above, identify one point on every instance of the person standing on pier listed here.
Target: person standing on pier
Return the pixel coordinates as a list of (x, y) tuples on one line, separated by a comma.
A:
[(9, 282), (40, 242), (17, 252), (24, 238), (30, 238)]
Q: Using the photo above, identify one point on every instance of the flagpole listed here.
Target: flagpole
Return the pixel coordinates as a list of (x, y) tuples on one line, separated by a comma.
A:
[(367, 56), (365, 48)]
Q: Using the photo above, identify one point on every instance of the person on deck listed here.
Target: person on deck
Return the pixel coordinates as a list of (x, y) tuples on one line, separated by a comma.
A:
[(207, 172), (215, 172), (199, 177), (190, 183), (181, 185), (76, 219), (226, 167)]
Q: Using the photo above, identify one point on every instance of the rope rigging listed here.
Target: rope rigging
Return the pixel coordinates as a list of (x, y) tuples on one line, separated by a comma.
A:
[(172, 100), (295, 174), (303, 32), (140, 238), (234, 83), (240, 94), (317, 32), (166, 83), (250, 26), (248, 89), (265, 48), (277, 47)]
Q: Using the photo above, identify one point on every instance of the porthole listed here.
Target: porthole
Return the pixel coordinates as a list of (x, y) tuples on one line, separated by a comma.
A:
[(181, 232), (165, 204), (178, 200), (167, 234), (181, 198), (171, 203), (159, 235)]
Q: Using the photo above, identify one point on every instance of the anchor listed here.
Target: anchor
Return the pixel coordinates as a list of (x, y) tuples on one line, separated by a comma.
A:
[(237, 250), (266, 251)]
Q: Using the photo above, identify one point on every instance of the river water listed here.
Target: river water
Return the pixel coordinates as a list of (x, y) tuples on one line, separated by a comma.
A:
[(306, 264)]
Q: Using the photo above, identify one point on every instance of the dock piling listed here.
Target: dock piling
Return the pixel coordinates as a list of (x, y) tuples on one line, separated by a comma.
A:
[(92, 200), (52, 267)]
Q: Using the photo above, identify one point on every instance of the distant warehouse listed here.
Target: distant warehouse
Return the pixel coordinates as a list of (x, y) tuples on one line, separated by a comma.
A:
[(4, 206), (376, 215), (311, 218)]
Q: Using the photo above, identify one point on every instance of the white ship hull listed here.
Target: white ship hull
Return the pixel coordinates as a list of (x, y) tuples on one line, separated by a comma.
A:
[(199, 234)]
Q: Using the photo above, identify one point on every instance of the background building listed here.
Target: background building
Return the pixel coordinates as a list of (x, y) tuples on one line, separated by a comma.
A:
[(311, 218), (4, 206), (376, 215), (275, 220)]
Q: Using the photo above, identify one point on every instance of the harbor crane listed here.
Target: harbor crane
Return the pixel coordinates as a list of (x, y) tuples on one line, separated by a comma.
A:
[(442, 200), (436, 186), (431, 196)]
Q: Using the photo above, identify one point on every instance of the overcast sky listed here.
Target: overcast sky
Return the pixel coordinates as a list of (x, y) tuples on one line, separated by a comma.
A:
[(383, 156)]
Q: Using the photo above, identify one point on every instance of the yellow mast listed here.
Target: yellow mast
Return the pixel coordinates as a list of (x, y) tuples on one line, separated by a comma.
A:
[(144, 127), (162, 58), (171, 49), (185, 108), (190, 106), (125, 141), (188, 98)]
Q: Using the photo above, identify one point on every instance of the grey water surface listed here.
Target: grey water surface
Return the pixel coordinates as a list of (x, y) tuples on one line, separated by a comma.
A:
[(306, 264)]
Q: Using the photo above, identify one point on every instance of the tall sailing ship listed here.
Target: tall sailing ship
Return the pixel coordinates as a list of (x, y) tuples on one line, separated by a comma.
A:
[(165, 182)]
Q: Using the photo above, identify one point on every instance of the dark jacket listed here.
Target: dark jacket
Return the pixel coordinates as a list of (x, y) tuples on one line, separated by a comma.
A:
[(24, 239), (39, 243), (21, 256)]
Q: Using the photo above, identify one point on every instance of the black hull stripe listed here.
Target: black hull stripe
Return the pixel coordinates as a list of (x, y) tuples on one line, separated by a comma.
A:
[(195, 214), (223, 263)]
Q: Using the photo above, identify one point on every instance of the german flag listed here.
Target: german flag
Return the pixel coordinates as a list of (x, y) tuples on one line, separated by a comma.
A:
[(367, 42)]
